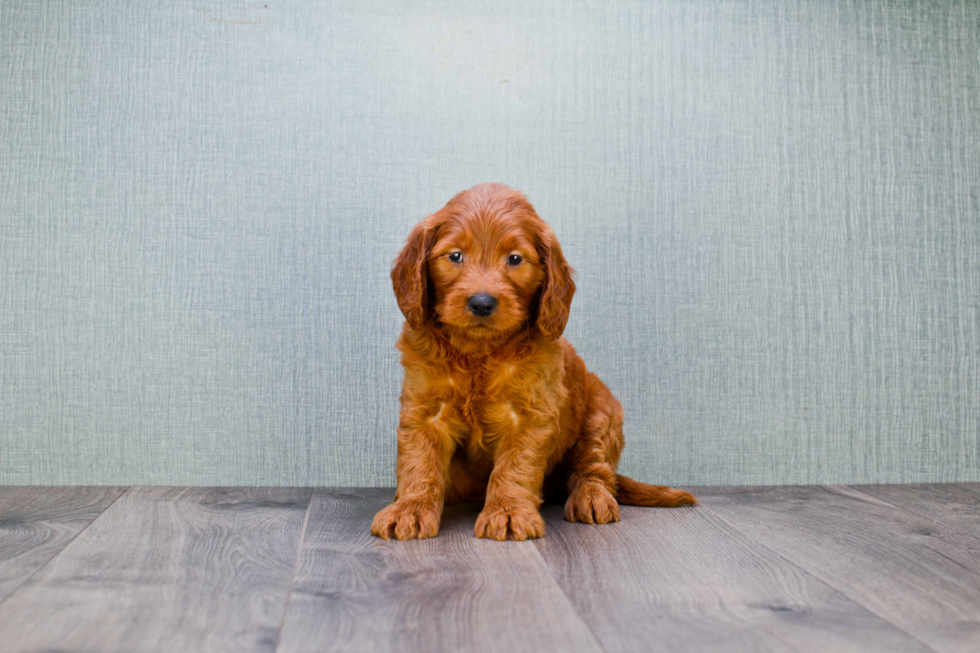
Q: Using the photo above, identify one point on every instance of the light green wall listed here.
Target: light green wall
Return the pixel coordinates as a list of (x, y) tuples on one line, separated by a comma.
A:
[(773, 207)]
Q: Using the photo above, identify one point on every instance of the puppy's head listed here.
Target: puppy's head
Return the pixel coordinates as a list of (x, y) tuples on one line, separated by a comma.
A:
[(484, 266)]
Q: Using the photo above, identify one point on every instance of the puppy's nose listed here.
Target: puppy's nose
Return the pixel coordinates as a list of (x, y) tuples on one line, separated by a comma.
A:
[(481, 304)]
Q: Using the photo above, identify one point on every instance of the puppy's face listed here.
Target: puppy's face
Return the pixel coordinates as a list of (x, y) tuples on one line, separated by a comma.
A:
[(485, 272), (484, 266)]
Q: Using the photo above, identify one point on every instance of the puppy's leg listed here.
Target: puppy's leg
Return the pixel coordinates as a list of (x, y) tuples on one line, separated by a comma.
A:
[(514, 489), (425, 447), (593, 458)]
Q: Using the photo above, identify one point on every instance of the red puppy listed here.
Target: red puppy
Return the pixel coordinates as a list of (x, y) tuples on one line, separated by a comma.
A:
[(496, 405)]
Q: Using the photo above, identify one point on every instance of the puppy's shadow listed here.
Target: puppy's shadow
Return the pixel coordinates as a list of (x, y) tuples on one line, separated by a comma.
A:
[(460, 517)]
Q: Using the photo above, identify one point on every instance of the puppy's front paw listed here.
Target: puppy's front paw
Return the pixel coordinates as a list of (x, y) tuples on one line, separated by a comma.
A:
[(500, 523), (407, 519), (592, 503)]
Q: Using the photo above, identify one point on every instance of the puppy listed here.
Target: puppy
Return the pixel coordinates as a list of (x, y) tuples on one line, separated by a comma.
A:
[(496, 406)]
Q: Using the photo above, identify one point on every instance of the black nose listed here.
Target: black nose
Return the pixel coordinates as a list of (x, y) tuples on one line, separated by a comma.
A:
[(481, 304)]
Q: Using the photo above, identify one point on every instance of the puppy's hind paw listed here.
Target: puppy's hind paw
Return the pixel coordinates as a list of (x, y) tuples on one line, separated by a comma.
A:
[(592, 503)]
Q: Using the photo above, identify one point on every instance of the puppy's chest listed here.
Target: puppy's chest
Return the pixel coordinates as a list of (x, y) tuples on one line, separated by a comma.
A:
[(480, 395)]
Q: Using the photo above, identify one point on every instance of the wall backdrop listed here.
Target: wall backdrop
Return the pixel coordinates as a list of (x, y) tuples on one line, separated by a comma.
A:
[(773, 208)]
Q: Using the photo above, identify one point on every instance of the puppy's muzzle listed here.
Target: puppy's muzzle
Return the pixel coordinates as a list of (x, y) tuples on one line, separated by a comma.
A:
[(481, 304)]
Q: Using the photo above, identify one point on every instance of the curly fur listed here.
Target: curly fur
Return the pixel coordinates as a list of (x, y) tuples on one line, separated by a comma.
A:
[(499, 409)]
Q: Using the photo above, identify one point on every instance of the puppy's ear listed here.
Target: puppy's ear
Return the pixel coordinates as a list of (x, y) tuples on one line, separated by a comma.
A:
[(557, 288), (408, 276)]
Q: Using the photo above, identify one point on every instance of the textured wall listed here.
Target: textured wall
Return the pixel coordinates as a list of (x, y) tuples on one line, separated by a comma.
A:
[(773, 207)]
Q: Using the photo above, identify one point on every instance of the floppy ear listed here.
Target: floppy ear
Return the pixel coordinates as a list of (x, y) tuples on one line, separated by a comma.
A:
[(409, 278), (557, 288)]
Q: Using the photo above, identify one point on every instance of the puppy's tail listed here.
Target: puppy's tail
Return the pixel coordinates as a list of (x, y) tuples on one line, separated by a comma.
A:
[(634, 493)]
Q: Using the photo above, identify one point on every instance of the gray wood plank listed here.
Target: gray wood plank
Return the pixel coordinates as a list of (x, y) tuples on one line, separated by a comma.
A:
[(356, 592), (917, 573), (166, 569), (954, 504), (37, 522), (683, 580)]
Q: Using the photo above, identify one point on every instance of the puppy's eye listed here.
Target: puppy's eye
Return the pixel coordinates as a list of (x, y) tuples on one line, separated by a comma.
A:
[(456, 257), (514, 259)]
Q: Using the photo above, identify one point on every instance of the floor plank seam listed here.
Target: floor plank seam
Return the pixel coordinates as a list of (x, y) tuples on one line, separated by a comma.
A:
[(920, 515), (571, 604), (821, 579), (292, 579), (47, 562)]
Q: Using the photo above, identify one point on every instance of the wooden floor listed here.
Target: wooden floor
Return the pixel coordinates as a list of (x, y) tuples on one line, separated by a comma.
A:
[(842, 568)]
